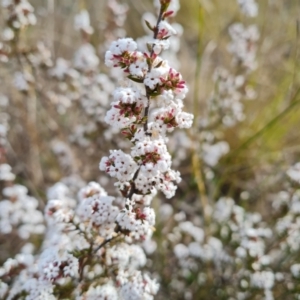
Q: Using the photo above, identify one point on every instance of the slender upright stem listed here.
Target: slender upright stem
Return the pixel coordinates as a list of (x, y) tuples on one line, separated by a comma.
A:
[(147, 108), (196, 159), (155, 33)]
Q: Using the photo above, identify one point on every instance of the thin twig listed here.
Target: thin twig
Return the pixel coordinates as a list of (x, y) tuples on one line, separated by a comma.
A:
[(104, 243), (147, 108), (156, 29)]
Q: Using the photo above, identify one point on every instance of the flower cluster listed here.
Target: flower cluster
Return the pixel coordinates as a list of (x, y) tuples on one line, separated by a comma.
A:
[(243, 44), (20, 14), (78, 230), (19, 212), (149, 161), (147, 168), (94, 243)]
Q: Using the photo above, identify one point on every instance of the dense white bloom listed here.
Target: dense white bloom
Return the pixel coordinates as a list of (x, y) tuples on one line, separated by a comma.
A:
[(122, 45), (119, 165), (56, 211), (21, 13), (172, 116), (129, 95), (53, 265), (137, 286), (39, 289), (243, 44), (101, 292), (126, 256), (159, 45), (119, 53), (127, 107), (154, 77), (226, 100), (139, 67), (21, 213), (138, 223), (97, 211), (152, 155), (93, 188), (87, 244), (263, 279)]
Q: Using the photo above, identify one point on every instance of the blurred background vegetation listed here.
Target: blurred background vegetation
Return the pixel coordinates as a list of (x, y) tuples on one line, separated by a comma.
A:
[(270, 132), (262, 147)]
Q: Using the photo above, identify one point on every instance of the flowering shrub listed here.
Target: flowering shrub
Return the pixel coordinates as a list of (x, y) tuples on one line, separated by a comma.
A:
[(184, 206)]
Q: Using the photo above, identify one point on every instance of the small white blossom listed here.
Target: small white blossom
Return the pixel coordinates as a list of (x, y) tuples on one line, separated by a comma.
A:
[(119, 165), (294, 172), (248, 7), (82, 22)]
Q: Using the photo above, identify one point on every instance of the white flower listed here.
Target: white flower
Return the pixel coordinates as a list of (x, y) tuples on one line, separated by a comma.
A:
[(82, 22), (61, 68), (119, 165), (122, 45), (139, 67), (295, 270), (98, 212), (53, 265), (8, 34), (165, 30), (135, 286), (181, 251), (139, 224), (172, 116), (153, 78), (243, 44), (294, 172), (85, 58), (159, 45), (3, 289), (213, 153), (22, 80), (263, 279), (248, 7), (5, 173), (102, 292)]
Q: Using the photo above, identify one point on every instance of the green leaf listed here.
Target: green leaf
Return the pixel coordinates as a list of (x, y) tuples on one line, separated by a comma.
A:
[(159, 64), (135, 79), (149, 25)]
